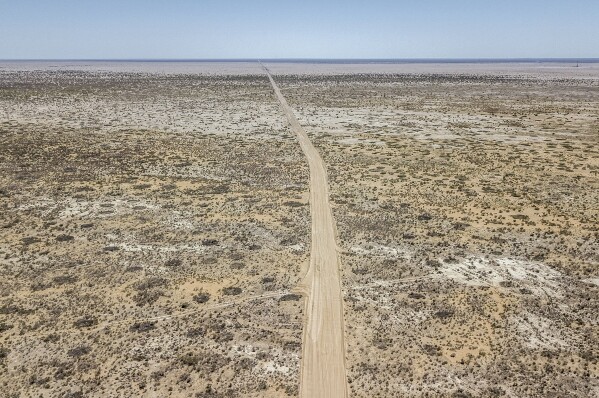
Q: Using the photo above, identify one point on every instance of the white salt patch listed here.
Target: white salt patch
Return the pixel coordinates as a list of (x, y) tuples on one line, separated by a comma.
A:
[(272, 367), (381, 250), (537, 277), (360, 141), (298, 248), (196, 248), (592, 281), (175, 220), (537, 332), (82, 208)]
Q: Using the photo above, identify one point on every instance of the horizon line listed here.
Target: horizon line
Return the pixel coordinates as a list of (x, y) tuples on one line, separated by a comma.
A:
[(316, 60)]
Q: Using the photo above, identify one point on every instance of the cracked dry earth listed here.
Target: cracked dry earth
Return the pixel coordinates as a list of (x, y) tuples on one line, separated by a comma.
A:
[(154, 227)]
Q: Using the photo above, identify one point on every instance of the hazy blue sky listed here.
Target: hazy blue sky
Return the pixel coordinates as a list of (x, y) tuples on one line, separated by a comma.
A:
[(298, 29)]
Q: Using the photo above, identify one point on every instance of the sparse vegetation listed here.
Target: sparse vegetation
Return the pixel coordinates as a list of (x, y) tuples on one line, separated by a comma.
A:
[(466, 222), (153, 227), (132, 206)]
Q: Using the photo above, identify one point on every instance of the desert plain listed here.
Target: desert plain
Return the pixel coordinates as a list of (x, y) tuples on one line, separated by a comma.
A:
[(157, 228)]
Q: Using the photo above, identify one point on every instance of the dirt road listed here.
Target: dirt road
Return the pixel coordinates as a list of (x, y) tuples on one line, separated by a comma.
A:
[(323, 358)]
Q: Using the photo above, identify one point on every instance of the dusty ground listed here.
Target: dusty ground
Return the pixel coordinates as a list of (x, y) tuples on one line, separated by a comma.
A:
[(154, 221), (323, 371), (467, 213), (133, 209)]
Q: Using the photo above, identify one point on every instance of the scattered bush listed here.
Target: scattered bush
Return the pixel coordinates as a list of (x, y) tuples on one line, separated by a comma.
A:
[(291, 297), (232, 291), (196, 332), (201, 297), (85, 322), (173, 262), (189, 359), (79, 351), (444, 314), (142, 327), (64, 238)]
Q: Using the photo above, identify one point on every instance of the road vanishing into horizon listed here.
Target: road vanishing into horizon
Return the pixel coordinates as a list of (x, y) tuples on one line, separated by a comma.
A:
[(323, 370)]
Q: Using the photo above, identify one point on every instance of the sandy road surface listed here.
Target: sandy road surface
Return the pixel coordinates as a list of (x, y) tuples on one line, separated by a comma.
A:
[(323, 359)]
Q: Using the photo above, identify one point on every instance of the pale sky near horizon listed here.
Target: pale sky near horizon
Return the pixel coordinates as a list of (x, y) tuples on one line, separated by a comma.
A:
[(135, 29)]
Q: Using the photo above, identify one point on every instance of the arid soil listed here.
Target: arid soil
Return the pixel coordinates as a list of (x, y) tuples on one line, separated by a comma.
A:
[(152, 229), (323, 371), (155, 226), (468, 219)]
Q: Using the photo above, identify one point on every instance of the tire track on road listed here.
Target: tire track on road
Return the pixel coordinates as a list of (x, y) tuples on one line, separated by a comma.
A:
[(323, 369)]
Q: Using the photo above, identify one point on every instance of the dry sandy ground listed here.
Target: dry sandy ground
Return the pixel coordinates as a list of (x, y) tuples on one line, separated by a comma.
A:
[(467, 215), (152, 229), (323, 372), (155, 224)]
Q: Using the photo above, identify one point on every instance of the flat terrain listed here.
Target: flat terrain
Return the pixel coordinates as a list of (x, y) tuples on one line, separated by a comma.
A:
[(323, 372), (158, 223), (152, 228), (468, 219)]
